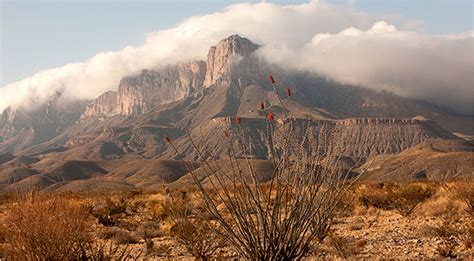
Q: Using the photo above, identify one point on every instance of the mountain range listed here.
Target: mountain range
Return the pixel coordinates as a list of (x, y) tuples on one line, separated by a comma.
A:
[(117, 141)]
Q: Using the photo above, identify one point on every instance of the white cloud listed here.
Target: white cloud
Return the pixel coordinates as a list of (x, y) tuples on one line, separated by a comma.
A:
[(435, 68), (338, 41)]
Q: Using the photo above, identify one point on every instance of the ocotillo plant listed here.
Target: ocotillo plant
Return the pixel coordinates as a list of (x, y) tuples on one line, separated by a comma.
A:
[(280, 218)]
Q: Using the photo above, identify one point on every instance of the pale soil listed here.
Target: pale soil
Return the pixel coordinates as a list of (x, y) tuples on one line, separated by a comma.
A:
[(378, 235)]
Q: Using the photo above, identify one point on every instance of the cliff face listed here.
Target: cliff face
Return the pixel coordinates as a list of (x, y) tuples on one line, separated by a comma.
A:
[(221, 58), (140, 93), (22, 128), (104, 105)]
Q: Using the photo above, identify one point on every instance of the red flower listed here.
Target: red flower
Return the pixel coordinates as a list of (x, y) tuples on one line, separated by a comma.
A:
[(238, 119), (226, 134), (288, 91), (270, 116), (262, 106), (167, 139), (271, 79)]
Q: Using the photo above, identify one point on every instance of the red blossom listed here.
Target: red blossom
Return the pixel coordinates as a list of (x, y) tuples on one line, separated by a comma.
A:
[(288, 92), (272, 79), (238, 119), (167, 139), (270, 116)]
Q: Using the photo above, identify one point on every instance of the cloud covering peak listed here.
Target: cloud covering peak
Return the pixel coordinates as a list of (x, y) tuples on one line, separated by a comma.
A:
[(337, 41)]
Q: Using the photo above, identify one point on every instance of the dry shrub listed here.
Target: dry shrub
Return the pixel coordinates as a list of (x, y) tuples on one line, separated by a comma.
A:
[(376, 195), (306, 181), (197, 236), (465, 192), (407, 197), (403, 198), (345, 247), (39, 228), (110, 251), (119, 236), (107, 210), (453, 232), (147, 231), (190, 227)]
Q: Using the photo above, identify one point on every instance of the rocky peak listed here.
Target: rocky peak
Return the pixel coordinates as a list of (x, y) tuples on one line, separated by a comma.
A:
[(104, 105), (140, 93), (221, 57)]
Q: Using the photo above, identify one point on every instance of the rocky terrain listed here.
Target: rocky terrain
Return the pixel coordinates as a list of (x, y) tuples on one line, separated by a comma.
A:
[(87, 144)]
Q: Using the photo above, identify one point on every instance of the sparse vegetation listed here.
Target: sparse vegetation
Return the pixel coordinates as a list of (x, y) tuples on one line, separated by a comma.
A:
[(403, 198), (279, 221), (46, 228), (191, 229), (465, 192)]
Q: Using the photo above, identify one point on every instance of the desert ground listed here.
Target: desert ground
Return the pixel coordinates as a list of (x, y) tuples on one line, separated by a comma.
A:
[(375, 220)]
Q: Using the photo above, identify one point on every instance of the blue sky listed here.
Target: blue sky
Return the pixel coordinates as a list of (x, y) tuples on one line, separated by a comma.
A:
[(37, 35)]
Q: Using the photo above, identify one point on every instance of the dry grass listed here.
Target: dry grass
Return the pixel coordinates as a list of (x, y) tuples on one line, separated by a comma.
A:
[(345, 247), (190, 227), (465, 191), (46, 229), (402, 198)]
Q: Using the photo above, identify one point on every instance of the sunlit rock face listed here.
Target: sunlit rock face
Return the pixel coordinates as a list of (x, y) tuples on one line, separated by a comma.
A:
[(222, 56)]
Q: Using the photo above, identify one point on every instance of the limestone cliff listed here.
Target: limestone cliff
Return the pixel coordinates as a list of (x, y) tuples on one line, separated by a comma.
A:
[(222, 56), (140, 93)]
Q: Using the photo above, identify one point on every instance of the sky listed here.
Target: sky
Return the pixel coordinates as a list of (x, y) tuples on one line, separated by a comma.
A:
[(41, 34), (418, 48)]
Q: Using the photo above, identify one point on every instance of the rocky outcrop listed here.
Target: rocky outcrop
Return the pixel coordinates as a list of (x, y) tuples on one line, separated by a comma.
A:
[(22, 128), (221, 58), (105, 105), (140, 93)]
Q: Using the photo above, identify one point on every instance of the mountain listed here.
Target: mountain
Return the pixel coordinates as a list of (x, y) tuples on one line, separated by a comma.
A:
[(430, 160), (202, 99)]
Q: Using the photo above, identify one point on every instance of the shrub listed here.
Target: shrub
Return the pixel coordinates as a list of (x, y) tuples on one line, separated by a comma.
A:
[(39, 228), (407, 197), (197, 237), (403, 198), (106, 211), (345, 247), (190, 227), (280, 220), (451, 231), (465, 192), (104, 252)]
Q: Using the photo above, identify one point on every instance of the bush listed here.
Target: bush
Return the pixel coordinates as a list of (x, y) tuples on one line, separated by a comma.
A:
[(281, 219), (465, 192), (106, 211), (46, 229), (406, 198), (197, 237), (345, 247), (452, 232), (403, 198), (191, 228)]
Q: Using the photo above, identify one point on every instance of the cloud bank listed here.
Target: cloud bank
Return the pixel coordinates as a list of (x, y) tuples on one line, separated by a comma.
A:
[(337, 41)]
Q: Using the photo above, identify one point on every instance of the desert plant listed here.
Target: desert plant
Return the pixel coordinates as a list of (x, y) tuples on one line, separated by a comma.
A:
[(42, 228), (107, 210), (106, 252), (465, 192), (403, 198), (147, 231), (407, 197), (280, 220), (453, 232), (191, 229), (345, 247)]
